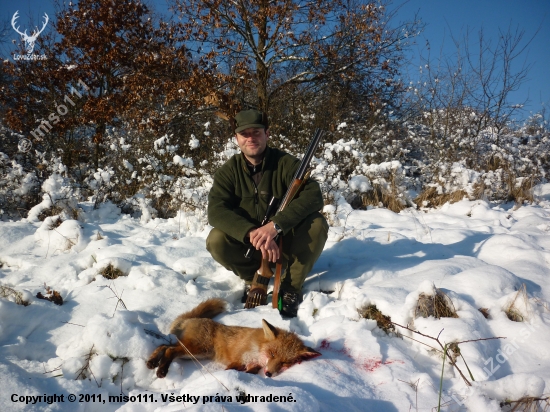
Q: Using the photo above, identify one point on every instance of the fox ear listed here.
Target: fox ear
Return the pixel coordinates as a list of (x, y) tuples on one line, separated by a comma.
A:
[(269, 330), (309, 354)]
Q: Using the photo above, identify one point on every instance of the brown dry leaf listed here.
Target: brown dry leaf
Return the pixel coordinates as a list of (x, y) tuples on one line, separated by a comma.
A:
[(51, 295)]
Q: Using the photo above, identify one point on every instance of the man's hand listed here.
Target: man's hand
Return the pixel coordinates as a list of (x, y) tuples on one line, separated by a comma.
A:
[(262, 239)]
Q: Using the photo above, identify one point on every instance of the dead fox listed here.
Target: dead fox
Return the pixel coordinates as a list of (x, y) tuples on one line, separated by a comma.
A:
[(236, 347)]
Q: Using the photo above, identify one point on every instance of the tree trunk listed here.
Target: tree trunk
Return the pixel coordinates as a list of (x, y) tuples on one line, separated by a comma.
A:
[(262, 71)]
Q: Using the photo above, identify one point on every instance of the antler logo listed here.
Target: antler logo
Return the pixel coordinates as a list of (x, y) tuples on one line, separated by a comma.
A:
[(29, 40)]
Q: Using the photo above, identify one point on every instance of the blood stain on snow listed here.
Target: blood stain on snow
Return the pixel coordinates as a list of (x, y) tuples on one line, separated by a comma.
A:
[(369, 365), (325, 344)]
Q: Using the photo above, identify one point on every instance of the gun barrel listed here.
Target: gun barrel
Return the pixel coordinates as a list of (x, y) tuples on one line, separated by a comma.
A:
[(302, 169), (309, 153)]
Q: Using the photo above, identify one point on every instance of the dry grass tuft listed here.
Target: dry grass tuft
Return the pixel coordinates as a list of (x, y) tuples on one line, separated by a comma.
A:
[(387, 196), (382, 321), (513, 313), (62, 210), (111, 272), (379, 196), (81, 373), (480, 190), (75, 213), (55, 223), (522, 191), (438, 305), (385, 192), (49, 212), (527, 404), (13, 295), (430, 197), (484, 312), (512, 187)]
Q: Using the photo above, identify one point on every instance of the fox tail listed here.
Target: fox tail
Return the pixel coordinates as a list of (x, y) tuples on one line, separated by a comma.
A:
[(207, 309)]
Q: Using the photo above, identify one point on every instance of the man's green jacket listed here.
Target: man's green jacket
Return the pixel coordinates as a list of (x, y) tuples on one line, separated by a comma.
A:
[(236, 205)]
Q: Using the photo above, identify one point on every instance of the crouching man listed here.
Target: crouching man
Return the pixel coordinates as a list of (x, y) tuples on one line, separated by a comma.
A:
[(237, 203)]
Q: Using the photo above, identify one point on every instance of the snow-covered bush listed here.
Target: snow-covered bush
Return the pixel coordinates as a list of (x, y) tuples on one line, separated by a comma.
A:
[(454, 157), (59, 198), (431, 158), (345, 170), (59, 237), (152, 176), (18, 188)]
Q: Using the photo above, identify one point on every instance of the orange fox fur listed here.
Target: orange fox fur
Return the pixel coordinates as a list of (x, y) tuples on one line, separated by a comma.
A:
[(236, 347)]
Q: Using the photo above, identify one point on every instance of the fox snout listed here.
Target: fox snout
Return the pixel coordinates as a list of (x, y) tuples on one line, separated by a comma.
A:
[(275, 366), (272, 367), (271, 373)]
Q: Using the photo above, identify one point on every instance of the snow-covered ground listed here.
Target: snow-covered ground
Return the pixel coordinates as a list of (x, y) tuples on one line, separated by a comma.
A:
[(479, 254)]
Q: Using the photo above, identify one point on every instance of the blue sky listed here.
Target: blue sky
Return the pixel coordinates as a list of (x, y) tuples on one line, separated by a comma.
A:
[(444, 19)]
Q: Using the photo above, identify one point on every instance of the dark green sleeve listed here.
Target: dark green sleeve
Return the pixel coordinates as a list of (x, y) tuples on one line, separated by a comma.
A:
[(222, 207)]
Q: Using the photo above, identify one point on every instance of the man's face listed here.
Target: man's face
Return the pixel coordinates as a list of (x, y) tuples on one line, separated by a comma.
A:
[(252, 142)]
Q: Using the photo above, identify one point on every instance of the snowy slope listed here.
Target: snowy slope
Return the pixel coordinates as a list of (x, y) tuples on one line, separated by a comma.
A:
[(479, 254)]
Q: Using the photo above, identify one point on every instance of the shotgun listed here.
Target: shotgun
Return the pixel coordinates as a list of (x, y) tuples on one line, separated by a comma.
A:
[(258, 289)]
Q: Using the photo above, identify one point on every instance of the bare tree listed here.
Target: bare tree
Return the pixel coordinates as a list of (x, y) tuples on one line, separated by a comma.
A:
[(461, 99), (4, 29), (495, 72), (268, 46)]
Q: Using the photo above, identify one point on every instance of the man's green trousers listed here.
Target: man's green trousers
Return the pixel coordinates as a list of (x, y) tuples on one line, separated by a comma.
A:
[(302, 246)]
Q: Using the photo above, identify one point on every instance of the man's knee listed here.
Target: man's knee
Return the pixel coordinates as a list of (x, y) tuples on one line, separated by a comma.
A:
[(313, 229), (229, 253), (319, 227), (309, 239), (217, 242)]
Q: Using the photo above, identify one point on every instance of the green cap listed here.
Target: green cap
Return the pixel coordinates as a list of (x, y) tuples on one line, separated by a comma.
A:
[(250, 118)]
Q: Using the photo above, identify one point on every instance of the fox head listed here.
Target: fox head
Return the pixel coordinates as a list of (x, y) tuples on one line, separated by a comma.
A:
[(282, 350)]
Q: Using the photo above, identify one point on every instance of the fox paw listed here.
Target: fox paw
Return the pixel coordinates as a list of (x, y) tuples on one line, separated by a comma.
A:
[(152, 363), (236, 366), (162, 372), (253, 368)]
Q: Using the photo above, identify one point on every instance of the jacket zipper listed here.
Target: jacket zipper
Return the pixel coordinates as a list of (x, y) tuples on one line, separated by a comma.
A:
[(256, 197), (256, 201)]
